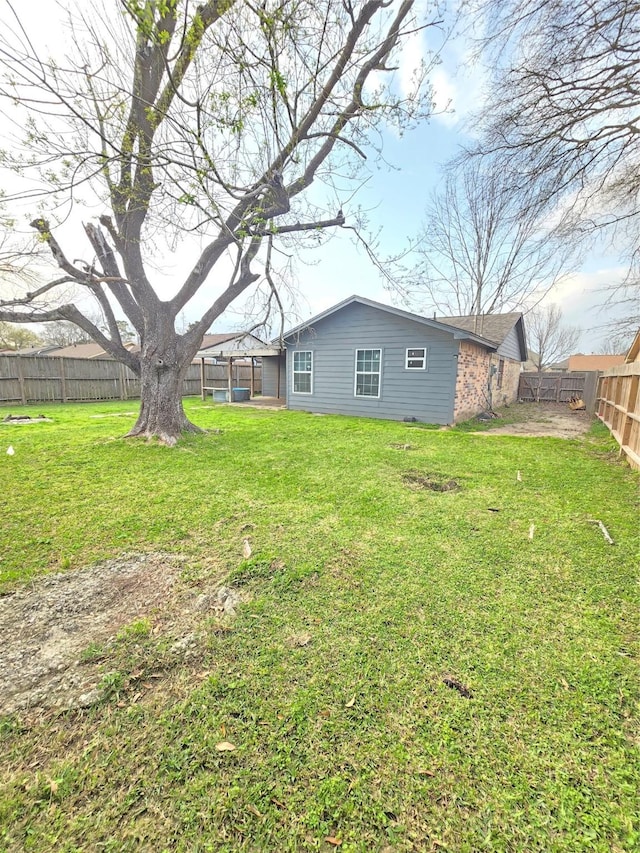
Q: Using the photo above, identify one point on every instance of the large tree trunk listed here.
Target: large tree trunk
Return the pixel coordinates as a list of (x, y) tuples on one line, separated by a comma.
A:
[(162, 375)]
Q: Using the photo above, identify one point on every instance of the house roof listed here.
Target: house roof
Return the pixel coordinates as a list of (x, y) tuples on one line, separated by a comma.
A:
[(90, 350), (458, 332), (37, 349), (495, 327), (594, 362)]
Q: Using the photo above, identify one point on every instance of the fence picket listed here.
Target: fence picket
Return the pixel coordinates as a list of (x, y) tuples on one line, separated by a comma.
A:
[(47, 379)]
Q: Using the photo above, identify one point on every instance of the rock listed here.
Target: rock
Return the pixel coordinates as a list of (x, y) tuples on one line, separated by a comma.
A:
[(89, 698), (228, 599), (203, 603), (184, 643)]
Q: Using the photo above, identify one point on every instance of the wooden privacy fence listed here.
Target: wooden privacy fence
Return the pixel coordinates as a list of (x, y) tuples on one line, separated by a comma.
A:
[(45, 379), (619, 407), (559, 387)]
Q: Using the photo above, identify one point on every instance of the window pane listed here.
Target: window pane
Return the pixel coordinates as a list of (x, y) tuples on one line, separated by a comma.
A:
[(302, 383), (368, 372), (302, 361), (302, 372), (367, 385), (416, 358), (368, 360)]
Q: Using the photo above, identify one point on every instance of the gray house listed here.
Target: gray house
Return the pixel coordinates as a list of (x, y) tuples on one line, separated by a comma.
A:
[(364, 358)]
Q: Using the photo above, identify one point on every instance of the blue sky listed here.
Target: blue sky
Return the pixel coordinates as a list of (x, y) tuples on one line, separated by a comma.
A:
[(395, 198)]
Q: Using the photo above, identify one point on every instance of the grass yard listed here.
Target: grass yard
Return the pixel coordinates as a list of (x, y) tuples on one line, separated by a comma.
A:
[(408, 671)]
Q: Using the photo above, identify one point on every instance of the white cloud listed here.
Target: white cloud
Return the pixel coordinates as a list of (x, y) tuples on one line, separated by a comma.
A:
[(582, 298)]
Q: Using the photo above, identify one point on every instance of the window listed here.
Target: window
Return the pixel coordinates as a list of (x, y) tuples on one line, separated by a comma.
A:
[(302, 372), (500, 374), (368, 372), (416, 359)]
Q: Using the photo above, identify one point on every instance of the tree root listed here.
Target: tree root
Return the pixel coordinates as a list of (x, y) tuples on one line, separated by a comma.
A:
[(169, 439)]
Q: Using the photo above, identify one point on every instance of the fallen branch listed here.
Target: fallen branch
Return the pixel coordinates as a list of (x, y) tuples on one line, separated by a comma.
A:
[(605, 532)]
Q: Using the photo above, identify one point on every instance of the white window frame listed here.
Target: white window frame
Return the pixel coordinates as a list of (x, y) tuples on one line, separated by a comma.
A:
[(295, 372), (423, 366), (367, 373)]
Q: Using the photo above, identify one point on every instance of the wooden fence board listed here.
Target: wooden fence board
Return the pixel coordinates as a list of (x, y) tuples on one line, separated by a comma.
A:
[(46, 379), (619, 408), (558, 387)]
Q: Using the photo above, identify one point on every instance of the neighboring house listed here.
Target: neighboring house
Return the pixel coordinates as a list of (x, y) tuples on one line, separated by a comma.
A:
[(364, 358), (36, 349), (557, 367), (90, 350), (212, 345), (584, 363), (237, 345)]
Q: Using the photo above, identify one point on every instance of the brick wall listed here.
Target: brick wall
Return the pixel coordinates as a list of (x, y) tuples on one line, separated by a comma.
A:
[(471, 381), (510, 381), (472, 393)]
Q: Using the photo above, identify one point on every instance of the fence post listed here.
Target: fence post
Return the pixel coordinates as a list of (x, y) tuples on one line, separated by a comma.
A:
[(63, 381), (23, 394), (122, 378)]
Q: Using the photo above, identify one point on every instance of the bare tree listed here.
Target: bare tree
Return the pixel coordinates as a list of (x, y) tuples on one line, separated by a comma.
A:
[(564, 111), (64, 334), (616, 344), (210, 121), (548, 338), (486, 246)]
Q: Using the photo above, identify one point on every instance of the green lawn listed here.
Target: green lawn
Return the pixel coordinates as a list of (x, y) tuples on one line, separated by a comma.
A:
[(348, 738)]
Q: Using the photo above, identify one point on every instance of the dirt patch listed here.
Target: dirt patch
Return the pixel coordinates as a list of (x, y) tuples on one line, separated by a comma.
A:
[(45, 627), (433, 482), (554, 420), (20, 420)]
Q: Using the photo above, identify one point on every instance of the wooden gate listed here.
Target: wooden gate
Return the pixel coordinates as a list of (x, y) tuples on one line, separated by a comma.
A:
[(558, 387)]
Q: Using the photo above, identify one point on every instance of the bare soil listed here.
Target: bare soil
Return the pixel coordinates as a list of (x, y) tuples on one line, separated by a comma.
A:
[(554, 420), (46, 626)]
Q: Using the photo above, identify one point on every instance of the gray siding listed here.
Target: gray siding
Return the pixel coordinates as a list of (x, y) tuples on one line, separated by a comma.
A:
[(427, 395), (510, 346), (270, 365)]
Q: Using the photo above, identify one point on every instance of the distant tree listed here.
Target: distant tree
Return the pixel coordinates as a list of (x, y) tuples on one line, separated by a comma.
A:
[(13, 337), (549, 339), (485, 246), (564, 112), (616, 344), (127, 334), (208, 121), (64, 334)]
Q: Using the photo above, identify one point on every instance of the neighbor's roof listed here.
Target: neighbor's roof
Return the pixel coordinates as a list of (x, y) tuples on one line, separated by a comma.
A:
[(216, 340), (234, 345), (36, 349), (594, 362), (458, 332), (91, 350)]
